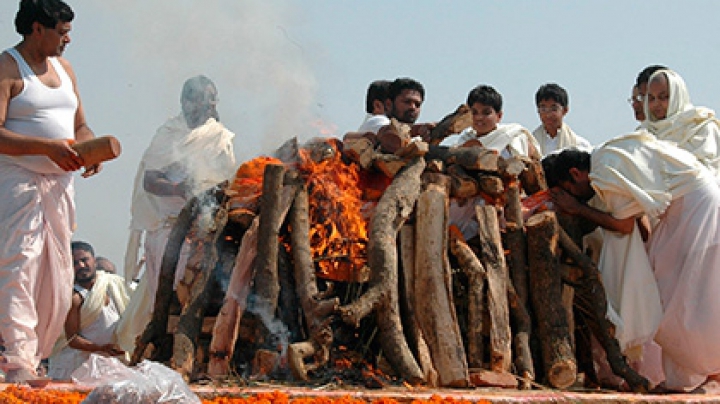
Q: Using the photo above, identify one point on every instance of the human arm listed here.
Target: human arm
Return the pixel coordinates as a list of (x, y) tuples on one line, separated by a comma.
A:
[(76, 340), (157, 183), (16, 144), (569, 204), (82, 130)]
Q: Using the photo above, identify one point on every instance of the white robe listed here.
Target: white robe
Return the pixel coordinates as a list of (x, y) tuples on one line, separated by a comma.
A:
[(207, 158), (37, 216), (373, 123), (638, 174), (564, 139)]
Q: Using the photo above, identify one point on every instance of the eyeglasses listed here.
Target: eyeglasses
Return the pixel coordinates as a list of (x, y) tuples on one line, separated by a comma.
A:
[(636, 98), (547, 110)]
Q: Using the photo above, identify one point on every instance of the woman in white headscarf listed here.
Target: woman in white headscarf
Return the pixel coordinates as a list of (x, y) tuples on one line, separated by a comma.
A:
[(672, 117)]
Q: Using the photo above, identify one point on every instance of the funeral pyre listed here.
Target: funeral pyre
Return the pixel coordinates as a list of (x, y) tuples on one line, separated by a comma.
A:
[(334, 260)]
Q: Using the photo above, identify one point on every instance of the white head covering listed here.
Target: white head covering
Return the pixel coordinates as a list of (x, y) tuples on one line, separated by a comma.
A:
[(695, 129), (679, 97)]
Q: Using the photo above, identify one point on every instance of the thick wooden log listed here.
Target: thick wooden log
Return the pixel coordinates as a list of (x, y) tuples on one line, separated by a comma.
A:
[(471, 158), (204, 258), (267, 286), (433, 291), (592, 299), (225, 331), (412, 150), (392, 211), (462, 185), (521, 340), (452, 123), (155, 333), (493, 258), (359, 150), (317, 312), (473, 268), (393, 137), (533, 178), (388, 164), (411, 324), (516, 242), (546, 293), (491, 185)]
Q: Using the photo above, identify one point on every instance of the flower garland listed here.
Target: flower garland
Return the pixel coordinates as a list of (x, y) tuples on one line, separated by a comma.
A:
[(15, 394)]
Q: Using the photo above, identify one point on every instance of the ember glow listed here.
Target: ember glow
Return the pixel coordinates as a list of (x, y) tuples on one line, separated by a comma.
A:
[(246, 188), (338, 230)]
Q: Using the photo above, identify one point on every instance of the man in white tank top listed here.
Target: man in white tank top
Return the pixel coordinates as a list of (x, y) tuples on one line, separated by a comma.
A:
[(40, 116)]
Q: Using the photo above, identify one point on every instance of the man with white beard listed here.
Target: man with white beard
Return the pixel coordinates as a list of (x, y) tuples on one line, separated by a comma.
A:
[(189, 154)]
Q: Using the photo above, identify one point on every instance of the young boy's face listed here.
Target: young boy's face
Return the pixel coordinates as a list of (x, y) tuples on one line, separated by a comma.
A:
[(551, 114), (485, 118)]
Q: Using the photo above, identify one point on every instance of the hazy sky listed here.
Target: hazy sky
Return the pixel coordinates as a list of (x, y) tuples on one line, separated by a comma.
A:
[(299, 68)]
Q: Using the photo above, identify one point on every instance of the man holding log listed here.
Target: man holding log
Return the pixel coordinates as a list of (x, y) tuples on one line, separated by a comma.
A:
[(189, 154), (40, 117), (635, 175)]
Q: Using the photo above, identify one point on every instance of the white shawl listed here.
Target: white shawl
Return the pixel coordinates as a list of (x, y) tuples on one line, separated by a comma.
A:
[(512, 137), (648, 173), (695, 129), (566, 138), (106, 285)]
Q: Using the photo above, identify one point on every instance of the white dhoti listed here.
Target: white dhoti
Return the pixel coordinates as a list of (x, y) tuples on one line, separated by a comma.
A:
[(37, 216), (685, 253)]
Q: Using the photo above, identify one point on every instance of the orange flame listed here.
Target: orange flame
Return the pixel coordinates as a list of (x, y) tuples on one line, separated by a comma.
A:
[(338, 230), (246, 188)]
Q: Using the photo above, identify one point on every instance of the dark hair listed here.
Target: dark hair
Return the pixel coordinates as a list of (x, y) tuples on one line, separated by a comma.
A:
[(557, 166), (553, 92), (485, 95), (405, 83), (47, 12), (379, 90), (548, 167), (82, 245), (645, 74)]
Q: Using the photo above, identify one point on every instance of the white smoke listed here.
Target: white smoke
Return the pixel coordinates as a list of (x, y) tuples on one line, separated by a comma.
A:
[(265, 85)]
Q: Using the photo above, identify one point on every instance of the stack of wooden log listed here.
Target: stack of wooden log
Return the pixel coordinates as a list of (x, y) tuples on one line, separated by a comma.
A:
[(493, 310)]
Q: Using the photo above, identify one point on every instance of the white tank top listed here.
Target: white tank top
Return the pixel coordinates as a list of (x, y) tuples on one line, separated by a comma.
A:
[(41, 111)]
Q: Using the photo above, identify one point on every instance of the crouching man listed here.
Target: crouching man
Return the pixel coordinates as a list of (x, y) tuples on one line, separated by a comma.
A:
[(98, 300), (638, 175)]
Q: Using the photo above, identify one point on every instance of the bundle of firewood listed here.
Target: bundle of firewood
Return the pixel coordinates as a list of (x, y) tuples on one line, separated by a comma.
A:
[(512, 324)]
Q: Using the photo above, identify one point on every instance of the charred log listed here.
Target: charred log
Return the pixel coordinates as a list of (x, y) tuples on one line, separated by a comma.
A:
[(392, 211)]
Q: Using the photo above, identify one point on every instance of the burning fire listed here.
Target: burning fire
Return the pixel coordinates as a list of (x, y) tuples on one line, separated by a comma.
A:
[(338, 229)]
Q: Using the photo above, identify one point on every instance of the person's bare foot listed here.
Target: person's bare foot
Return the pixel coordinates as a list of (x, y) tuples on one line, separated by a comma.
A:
[(710, 386), (19, 375)]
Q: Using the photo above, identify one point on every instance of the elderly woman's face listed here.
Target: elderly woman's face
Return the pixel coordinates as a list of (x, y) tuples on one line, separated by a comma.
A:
[(658, 97)]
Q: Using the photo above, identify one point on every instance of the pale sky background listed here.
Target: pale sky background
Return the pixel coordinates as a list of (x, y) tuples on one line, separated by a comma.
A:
[(299, 68)]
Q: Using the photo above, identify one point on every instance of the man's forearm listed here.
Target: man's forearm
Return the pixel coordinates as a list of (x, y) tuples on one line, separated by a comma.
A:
[(606, 220)]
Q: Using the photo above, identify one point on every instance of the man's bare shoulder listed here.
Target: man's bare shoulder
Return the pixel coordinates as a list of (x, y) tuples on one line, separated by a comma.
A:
[(8, 67), (67, 66)]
